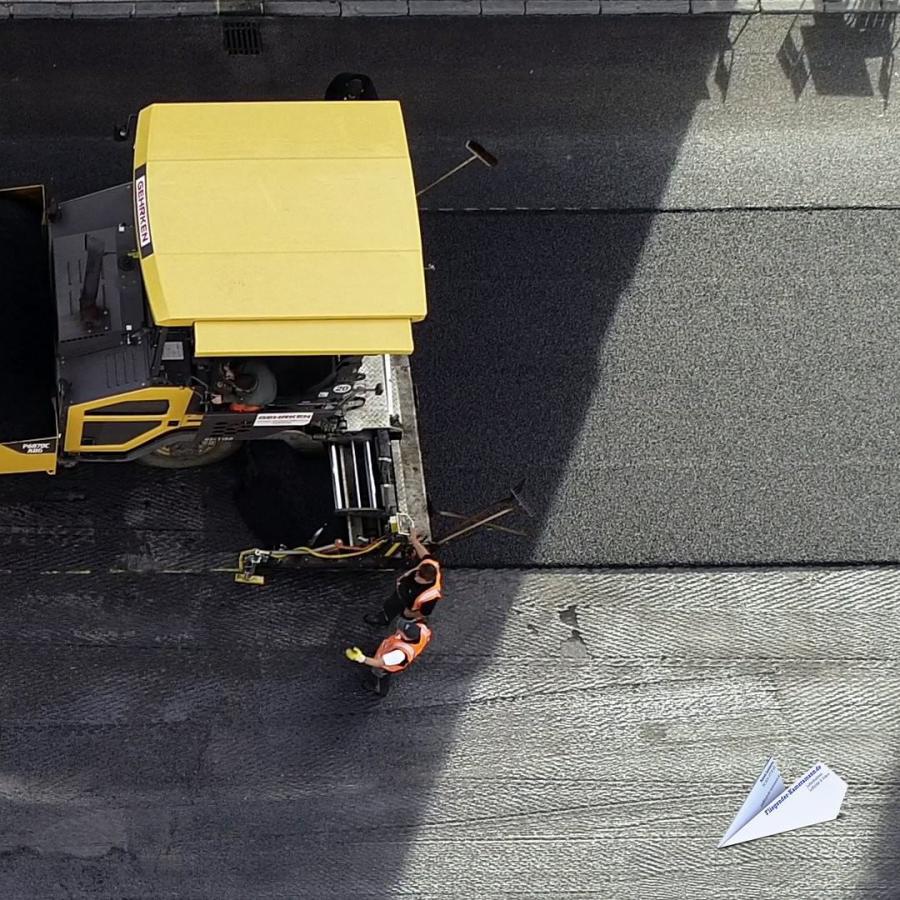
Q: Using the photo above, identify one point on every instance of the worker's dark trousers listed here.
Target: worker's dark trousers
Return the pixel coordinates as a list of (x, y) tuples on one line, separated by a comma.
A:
[(392, 608), (379, 682)]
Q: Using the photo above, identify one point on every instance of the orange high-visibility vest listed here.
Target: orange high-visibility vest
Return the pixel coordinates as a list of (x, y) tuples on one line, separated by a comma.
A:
[(396, 641), (434, 591)]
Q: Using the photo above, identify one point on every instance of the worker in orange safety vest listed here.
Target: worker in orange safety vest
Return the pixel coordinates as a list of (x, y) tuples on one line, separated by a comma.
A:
[(416, 592), (394, 654)]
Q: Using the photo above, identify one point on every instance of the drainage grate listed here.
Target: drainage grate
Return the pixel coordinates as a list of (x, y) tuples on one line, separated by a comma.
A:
[(242, 38)]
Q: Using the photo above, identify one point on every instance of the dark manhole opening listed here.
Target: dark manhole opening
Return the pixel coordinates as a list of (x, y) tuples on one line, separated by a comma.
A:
[(242, 38)]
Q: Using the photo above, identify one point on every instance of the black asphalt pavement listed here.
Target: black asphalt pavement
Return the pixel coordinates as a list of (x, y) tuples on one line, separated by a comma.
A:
[(672, 308), (678, 388), (614, 113)]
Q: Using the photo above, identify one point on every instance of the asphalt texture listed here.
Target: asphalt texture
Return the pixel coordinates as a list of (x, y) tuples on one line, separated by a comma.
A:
[(671, 392), (172, 737), (672, 309)]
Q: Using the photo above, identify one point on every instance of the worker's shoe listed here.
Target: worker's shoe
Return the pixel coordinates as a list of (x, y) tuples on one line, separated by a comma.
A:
[(380, 682), (375, 619)]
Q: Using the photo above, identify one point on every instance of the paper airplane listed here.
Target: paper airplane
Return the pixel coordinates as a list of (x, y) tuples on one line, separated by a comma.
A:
[(770, 808)]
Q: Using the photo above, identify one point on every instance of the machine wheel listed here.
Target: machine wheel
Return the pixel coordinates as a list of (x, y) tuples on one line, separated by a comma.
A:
[(190, 454)]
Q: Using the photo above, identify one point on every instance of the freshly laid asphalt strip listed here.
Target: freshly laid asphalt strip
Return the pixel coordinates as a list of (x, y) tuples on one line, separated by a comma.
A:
[(684, 388), (705, 389), (698, 388)]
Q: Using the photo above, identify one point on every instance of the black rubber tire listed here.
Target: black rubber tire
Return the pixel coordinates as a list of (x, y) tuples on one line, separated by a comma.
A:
[(216, 452)]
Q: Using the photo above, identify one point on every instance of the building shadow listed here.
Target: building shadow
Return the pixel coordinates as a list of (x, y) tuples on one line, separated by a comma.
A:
[(834, 53), (725, 59)]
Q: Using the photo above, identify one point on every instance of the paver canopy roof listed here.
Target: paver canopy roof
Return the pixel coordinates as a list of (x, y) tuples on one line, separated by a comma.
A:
[(280, 228)]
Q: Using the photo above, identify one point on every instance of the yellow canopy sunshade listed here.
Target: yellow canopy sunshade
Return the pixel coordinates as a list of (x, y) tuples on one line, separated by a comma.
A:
[(363, 337), (280, 213)]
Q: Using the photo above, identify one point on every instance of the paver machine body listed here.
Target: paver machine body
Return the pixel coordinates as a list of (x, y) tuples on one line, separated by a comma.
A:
[(276, 239)]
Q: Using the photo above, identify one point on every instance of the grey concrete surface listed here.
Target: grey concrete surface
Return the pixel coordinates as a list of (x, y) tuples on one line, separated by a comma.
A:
[(372, 8), (444, 8), (577, 734)]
